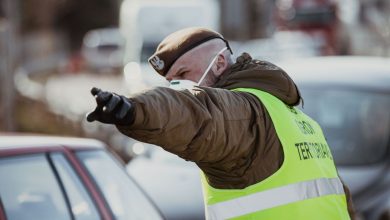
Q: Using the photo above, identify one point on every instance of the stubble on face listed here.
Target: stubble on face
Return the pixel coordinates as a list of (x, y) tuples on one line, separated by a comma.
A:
[(210, 79)]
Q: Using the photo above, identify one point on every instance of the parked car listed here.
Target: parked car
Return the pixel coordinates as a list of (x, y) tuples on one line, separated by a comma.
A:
[(282, 45), (58, 178), (350, 98), (163, 175)]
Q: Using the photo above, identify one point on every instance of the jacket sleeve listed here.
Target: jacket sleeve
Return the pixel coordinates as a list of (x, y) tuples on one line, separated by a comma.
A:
[(206, 125)]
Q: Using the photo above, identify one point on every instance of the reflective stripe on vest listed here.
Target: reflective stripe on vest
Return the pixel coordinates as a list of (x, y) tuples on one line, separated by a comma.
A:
[(276, 197)]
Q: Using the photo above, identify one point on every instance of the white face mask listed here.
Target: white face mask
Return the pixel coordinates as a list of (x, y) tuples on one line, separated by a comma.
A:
[(182, 84)]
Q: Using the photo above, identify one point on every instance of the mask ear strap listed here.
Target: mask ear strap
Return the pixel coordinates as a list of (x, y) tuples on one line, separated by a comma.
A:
[(210, 65)]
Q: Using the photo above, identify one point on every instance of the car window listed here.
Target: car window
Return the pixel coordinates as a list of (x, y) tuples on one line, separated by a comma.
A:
[(355, 123), (126, 200), (81, 204), (29, 189)]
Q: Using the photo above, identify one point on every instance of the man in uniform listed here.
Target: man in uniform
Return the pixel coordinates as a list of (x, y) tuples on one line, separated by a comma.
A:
[(261, 158)]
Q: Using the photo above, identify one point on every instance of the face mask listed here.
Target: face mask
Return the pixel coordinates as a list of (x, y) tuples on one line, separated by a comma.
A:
[(182, 84)]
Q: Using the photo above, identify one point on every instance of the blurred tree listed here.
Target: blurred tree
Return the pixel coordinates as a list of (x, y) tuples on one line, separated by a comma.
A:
[(39, 18), (9, 54), (77, 17), (73, 17), (2, 62)]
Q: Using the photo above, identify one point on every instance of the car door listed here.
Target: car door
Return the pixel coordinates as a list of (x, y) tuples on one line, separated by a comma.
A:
[(43, 186), (31, 188), (125, 198)]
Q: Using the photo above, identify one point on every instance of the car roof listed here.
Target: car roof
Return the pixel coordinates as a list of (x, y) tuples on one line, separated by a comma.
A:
[(11, 141), (370, 72)]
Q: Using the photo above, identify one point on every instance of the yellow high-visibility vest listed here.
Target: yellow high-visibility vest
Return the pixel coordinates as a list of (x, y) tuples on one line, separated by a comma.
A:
[(306, 186)]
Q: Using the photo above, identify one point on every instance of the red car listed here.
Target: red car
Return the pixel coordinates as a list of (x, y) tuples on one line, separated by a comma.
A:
[(66, 178), (315, 18)]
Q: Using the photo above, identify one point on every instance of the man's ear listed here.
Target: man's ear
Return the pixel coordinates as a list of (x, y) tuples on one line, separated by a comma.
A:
[(221, 65)]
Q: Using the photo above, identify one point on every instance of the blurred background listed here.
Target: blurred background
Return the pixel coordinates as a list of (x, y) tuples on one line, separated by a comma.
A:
[(52, 52)]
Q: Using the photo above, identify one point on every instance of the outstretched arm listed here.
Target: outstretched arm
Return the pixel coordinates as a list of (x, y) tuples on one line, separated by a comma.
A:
[(206, 125)]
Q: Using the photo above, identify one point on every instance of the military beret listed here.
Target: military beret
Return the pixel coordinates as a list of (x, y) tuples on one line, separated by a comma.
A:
[(177, 44)]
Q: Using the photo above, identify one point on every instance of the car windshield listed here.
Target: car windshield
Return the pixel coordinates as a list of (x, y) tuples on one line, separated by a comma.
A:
[(126, 200), (355, 123)]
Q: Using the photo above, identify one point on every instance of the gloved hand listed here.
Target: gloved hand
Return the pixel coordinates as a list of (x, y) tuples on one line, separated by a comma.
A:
[(111, 108)]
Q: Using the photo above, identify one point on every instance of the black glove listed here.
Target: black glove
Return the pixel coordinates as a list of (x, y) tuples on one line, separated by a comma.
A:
[(111, 108)]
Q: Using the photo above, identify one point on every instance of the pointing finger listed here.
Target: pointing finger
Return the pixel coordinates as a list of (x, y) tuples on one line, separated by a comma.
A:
[(124, 110), (103, 97), (95, 91), (92, 116), (112, 103)]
